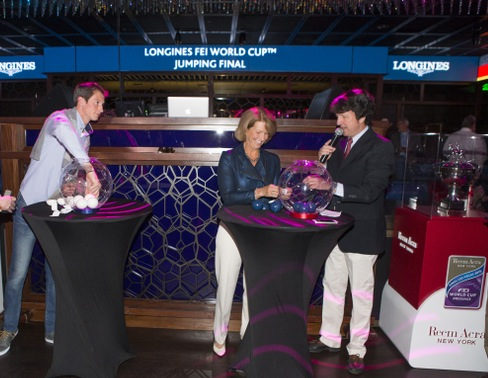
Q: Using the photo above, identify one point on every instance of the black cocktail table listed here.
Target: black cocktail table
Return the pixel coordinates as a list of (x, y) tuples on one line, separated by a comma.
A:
[(87, 255), (282, 258)]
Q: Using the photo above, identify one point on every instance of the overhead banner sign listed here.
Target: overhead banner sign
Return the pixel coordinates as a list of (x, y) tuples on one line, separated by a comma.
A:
[(106, 60), (234, 58), (332, 59), (229, 59), (428, 68), (59, 59), (22, 67)]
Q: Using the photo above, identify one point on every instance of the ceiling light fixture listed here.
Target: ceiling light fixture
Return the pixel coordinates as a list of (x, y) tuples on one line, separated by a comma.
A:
[(21, 8)]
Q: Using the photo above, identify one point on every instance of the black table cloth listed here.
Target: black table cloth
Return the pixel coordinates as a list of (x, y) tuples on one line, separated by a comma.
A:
[(87, 254), (282, 258)]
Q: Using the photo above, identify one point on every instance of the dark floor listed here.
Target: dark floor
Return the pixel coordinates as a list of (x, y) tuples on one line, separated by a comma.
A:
[(182, 354)]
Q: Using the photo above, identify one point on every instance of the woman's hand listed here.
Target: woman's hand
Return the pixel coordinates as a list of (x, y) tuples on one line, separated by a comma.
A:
[(7, 203), (269, 191)]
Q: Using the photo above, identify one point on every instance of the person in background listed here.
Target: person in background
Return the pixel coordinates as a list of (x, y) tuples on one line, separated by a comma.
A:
[(400, 137), (360, 173), (245, 173), (472, 144), (404, 142), (64, 136)]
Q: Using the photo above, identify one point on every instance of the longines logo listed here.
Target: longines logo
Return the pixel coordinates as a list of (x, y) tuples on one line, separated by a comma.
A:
[(420, 68), (12, 68)]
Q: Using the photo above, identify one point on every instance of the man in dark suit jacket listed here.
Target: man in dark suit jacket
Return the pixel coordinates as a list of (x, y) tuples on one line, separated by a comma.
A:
[(360, 182)]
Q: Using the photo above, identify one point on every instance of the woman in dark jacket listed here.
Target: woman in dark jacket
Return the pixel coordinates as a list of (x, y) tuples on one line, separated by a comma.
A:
[(245, 173)]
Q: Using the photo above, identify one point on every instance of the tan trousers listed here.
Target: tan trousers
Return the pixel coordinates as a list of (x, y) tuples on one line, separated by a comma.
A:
[(340, 268)]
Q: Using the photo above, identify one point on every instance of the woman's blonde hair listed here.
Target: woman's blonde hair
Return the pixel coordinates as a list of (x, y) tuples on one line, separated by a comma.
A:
[(250, 117)]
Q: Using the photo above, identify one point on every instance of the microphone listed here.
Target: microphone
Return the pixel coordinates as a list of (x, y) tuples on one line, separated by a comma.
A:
[(337, 134)]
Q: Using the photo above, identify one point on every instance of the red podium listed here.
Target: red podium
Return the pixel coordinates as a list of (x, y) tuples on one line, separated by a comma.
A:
[(433, 305)]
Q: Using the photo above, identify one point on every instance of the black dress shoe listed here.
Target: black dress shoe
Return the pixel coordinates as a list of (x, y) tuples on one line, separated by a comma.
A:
[(355, 365), (235, 373), (317, 346)]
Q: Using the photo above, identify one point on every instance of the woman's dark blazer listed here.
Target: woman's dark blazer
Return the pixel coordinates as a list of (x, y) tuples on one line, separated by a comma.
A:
[(237, 177)]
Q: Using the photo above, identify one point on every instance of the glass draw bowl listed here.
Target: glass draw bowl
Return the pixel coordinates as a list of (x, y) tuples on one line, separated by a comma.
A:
[(73, 186), (297, 196)]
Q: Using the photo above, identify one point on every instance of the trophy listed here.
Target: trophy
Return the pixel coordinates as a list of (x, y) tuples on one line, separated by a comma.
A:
[(456, 173)]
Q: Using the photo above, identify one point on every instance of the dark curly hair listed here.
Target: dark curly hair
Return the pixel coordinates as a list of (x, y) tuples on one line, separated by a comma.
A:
[(357, 100)]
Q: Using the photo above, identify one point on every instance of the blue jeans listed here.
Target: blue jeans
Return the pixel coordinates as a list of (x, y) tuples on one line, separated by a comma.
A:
[(23, 245)]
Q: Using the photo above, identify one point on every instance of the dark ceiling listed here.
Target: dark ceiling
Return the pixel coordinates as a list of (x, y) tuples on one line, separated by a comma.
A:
[(407, 27)]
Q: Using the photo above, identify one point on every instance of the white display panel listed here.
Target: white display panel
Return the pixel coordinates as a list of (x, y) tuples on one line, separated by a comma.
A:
[(435, 337)]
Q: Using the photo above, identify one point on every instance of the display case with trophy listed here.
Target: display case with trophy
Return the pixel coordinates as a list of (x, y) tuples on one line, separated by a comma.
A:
[(444, 176), (438, 254)]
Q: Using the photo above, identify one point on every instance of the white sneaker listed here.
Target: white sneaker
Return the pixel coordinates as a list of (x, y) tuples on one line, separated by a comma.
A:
[(5, 340)]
